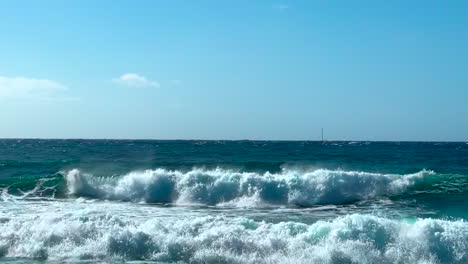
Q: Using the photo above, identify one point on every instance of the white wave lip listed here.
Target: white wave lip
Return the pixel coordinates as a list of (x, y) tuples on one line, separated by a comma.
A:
[(89, 235), (226, 187)]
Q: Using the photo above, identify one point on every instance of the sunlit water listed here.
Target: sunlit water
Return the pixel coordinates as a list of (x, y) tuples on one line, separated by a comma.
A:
[(233, 202)]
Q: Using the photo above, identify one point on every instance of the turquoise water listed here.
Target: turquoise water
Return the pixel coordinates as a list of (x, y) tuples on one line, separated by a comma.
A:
[(233, 201)]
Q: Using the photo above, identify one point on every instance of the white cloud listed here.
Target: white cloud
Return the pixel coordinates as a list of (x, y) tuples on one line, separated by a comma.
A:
[(30, 87), (135, 80), (280, 6)]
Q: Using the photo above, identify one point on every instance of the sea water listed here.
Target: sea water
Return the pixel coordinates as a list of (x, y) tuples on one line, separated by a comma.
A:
[(81, 201)]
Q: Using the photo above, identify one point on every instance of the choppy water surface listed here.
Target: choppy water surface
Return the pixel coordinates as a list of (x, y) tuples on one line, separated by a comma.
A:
[(233, 201)]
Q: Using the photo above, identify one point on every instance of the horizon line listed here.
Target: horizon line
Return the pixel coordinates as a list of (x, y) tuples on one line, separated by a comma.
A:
[(195, 139)]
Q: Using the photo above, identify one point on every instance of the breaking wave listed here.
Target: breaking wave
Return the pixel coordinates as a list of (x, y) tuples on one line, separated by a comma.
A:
[(225, 187), (92, 235)]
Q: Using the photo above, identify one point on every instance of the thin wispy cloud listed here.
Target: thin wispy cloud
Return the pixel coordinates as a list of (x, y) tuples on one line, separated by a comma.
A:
[(22, 87), (135, 80), (280, 6)]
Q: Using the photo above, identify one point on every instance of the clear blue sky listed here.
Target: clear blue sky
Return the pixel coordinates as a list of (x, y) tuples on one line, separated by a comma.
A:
[(363, 70)]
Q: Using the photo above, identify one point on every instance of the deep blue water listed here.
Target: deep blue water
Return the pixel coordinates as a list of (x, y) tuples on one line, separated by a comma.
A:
[(33, 157)]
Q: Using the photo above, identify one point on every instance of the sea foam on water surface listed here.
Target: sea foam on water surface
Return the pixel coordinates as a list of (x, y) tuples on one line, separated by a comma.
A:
[(95, 235)]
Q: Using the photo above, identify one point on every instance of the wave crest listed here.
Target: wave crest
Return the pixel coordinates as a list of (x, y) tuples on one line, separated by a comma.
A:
[(226, 187)]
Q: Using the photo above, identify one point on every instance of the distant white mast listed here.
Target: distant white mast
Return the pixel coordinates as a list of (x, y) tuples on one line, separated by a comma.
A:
[(322, 134)]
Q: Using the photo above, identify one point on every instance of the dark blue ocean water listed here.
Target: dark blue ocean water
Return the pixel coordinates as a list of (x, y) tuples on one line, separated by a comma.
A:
[(233, 201), (30, 157)]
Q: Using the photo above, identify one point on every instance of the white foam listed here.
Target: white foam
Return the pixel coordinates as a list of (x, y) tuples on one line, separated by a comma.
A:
[(89, 234), (226, 187)]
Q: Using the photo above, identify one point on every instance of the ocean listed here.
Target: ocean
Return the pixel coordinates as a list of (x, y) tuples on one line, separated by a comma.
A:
[(114, 201)]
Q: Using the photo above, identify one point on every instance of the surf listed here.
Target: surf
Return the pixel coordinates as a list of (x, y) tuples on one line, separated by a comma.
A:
[(99, 235), (224, 187)]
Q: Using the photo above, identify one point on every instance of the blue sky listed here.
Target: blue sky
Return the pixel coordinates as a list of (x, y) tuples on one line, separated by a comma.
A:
[(363, 70)]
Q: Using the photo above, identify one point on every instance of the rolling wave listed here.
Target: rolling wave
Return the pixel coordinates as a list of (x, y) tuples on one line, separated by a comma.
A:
[(93, 235), (233, 188), (224, 187)]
